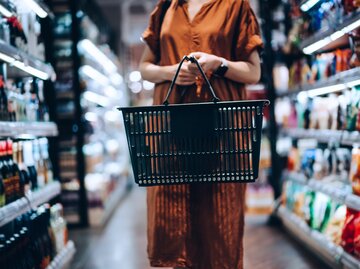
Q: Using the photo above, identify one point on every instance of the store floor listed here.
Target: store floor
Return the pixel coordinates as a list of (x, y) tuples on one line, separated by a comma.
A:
[(122, 243)]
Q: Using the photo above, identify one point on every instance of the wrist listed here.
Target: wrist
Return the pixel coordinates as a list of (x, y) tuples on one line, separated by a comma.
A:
[(168, 72), (222, 67)]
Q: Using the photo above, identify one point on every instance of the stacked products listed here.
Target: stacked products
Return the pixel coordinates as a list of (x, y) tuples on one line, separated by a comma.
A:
[(323, 65), (333, 112), (34, 239), (22, 29), (318, 163), (23, 100), (24, 166)]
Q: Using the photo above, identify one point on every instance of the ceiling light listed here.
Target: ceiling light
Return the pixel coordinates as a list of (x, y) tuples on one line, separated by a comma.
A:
[(135, 87), (148, 85), (34, 6), (96, 98), (91, 116), (116, 79), (5, 12), (135, 76), (31, 70), (111, 92), (326, 90), (87, 47), (93, 74), (7, 58), (308, 5)]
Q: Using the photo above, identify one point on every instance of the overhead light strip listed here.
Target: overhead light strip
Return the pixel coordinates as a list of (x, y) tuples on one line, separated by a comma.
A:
[(88, 47), (34, 6), (331, 89), (308, 5), (95, 75), (5, 12), (333, 37), (96, 98), (26, 68)]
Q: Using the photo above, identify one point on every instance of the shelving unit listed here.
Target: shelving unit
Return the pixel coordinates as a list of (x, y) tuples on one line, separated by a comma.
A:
[(18, 129), (333, 37), (31, 200), (89, 85), (341, 195), (333, 255), (323, 136), (62, 260), (26, 62), (334, 83)]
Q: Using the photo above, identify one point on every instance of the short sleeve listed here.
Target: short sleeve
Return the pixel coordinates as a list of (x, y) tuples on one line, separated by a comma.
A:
[(249, 38), (151, 36)]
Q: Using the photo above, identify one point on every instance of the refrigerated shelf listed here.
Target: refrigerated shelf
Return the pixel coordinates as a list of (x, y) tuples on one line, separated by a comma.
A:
[(31, 200), (34, 129), (62, 260)]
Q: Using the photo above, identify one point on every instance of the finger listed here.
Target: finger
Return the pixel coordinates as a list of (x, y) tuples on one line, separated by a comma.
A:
[(185, 83), (196, 54)]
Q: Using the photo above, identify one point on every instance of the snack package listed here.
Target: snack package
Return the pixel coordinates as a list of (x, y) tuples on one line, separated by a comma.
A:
[(334, 229), (348, 232), (355, 170), (320, 211)]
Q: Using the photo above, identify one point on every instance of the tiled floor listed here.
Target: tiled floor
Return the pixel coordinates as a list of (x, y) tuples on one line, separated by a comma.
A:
[(122, 243)]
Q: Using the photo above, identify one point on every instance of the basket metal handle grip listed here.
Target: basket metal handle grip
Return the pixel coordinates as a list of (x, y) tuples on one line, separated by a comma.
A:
[(193, 60)]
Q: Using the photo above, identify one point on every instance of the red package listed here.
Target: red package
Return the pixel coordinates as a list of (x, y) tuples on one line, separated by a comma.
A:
[(357, 238), (348, 232)]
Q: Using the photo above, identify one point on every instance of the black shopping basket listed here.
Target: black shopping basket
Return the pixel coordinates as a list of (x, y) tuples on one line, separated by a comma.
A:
[(195, 143)]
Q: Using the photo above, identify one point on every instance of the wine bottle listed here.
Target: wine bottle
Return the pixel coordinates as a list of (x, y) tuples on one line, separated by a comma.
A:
[(6, 175), (39, 164), (2, 193), (24, 172), (29, 162), (13, 170)]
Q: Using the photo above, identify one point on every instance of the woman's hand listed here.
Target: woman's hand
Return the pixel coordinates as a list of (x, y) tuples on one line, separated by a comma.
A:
[(209, 62), (186, 76)]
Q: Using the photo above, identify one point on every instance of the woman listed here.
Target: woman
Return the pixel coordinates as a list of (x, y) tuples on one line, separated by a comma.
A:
[(199, 226)]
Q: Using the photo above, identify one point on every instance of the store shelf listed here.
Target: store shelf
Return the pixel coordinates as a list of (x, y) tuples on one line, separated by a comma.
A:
[(18, 129), (32, 200), (338, 194), (331, 37), (324, 136), (333, 255), (344, 77), (62, 260), (112, 202), (25, 62)]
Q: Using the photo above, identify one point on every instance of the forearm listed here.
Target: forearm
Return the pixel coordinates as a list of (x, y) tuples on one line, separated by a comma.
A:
[(244, 72), (156, 73)]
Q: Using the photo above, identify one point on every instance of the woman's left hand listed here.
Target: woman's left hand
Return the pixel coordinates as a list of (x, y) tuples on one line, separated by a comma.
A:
[(208, 62)]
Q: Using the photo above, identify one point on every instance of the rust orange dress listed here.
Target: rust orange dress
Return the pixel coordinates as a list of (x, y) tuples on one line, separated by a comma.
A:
[(199, 226)]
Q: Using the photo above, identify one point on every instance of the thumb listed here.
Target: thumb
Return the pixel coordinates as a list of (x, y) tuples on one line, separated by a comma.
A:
[(196, 54)]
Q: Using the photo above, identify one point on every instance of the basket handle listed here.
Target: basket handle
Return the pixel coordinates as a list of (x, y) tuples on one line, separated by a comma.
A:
[(193, 60)]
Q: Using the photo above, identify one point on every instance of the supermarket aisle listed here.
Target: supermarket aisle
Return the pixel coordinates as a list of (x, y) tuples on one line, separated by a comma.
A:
[(122, 244)]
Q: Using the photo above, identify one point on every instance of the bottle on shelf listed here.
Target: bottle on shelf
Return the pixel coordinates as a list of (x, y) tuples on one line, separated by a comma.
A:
[(24, 172), (29, 162), (44, 145), (39, 164), (9, 184), (14, 169), (4, 111), (2, 193)]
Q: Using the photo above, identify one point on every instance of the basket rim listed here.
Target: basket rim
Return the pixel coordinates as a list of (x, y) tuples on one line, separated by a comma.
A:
[(220, 104)]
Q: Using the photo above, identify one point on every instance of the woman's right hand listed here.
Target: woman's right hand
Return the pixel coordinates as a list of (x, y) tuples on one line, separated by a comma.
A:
[(185, 77)]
